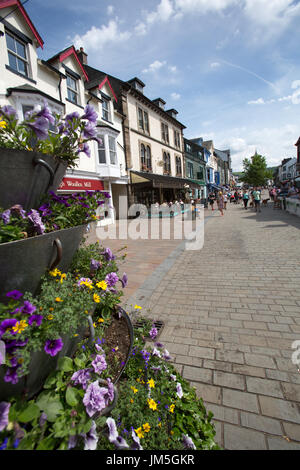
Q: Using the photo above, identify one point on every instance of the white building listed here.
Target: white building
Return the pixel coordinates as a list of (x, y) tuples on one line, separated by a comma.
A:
[(62, 81)]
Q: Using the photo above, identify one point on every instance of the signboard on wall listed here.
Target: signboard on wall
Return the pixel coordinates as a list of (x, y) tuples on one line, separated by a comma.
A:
[(80, 184)]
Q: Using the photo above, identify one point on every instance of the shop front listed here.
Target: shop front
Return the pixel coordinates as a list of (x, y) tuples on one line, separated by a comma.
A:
[(149, 188)]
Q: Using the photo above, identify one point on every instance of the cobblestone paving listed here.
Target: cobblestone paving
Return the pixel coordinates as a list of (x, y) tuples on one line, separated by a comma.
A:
[(231, 313)]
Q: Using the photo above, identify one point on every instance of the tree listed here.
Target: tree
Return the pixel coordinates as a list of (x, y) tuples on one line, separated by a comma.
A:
[(255, 171)]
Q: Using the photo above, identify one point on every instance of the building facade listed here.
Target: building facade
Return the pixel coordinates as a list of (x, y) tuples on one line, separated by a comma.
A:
[(195, 168)]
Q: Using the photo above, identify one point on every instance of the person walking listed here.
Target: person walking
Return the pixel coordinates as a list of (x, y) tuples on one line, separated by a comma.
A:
[(212, 198), (236, 197), (246, 199), (225, 200), (256, 197), (221, 202)]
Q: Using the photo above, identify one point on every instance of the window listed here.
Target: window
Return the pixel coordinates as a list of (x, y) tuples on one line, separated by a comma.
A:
[(188, 148), (148, 158), (26, 109), (101, 149), (106, 110), (177, 139), (72, 89), (112, 150), (143, 120), (143, 156), (167, 163), (190, 170), (200, 173), (17, 54), (178, 166), (164, 132)]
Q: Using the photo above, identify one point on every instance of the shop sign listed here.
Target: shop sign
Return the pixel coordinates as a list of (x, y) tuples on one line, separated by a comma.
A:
[(80, 184)]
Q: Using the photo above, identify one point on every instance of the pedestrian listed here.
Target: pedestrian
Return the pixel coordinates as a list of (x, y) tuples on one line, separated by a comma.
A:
[(257, 197), (236, 197), (221, 202), (246, 199), (225, 200), (212, 198)]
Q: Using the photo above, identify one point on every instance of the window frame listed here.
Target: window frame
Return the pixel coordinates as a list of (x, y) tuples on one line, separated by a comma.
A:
[(102, 149), (178, 164), (24, 60), (167, 163), (112, 151), (106, 109), (165, 132), (143, 120), (72, 90)]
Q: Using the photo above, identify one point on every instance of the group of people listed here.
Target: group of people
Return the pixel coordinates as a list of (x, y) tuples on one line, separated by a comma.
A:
[(236, 196)]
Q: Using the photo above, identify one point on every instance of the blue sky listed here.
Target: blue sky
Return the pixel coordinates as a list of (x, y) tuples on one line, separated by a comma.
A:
[(230, 67)]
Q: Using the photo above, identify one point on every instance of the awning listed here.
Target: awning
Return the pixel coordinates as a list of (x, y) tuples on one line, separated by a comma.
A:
[(213, 186), (161, 181)]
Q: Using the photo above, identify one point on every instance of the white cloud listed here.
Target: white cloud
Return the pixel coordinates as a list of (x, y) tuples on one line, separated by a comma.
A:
[(164, 12), (215, 65), (276, 13), (96, 38), (203, 6), (172, 68), (110, 9), (140, 29), (175, 96), (155, 66), (258, 101)]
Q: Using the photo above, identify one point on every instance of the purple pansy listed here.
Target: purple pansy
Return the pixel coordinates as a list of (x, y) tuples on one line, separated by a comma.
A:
[(153, 332), (136, 441), (8, 110), (11, 375), (14, 294), (108, 254), (43, 419), (6, 325), (53, 346), (124, 280), (19, 209), (99, 364), (82, 377), (89, 131), (113, 433), (96, 398), (46, 113), (4, 412), (35, 218), (179, 391), (85, 148), (91, 438), (5, 216), (40, 127), (111, 279), (69, 117), (95, 265), (28, 308), (90, 114), (35, 320)]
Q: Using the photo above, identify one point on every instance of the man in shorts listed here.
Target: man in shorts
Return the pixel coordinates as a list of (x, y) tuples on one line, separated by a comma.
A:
[(256, 197)]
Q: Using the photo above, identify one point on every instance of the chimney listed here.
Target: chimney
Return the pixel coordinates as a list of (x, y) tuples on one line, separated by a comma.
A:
[(82, 56)]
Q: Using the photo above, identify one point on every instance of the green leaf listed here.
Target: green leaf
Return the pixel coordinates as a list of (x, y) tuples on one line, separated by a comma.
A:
[(65, 364), (47, 444), (71, 396), (31, 412), (51, 405)]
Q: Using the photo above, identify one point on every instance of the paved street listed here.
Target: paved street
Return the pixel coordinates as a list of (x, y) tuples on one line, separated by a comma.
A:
[(231, 313)]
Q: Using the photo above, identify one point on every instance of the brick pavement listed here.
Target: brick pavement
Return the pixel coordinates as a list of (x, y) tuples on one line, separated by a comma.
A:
[(231, 313)]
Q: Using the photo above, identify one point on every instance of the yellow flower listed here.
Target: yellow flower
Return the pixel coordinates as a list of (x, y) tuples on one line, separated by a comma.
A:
[(131, 400), (51, 309), (55, 272), (94, 324), (159, 425), (152, 404), (137, 306), (101, 285), (50, 317), (75, 335), (96, 298), (20, 326), (100, 320), (58, 299), (86, 311), (135, 390), (3, 124), (139, 432), (62, 277), (151, 383), (172, 408), (146, 427)]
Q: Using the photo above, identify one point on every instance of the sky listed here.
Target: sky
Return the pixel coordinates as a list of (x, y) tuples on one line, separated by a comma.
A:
[(229, 67)]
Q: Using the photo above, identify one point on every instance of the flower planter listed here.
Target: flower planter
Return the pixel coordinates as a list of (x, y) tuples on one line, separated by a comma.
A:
[(23, 262), (41, 365), (26, 176), (131, 335)]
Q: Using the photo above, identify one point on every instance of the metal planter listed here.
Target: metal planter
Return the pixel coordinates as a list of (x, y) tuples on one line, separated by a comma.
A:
[(23, 262), (27, 176)]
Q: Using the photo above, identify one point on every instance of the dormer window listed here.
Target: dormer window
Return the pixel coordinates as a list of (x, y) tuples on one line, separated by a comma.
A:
[(17, 54), (106, 115), (72, 89)]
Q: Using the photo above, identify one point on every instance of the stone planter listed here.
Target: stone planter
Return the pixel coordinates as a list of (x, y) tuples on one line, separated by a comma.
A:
[(23, 262), (27, 176)]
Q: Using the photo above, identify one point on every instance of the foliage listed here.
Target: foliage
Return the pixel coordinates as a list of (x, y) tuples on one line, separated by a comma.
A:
[(156, 409), (57, 212), (255, 171), (41, 131)]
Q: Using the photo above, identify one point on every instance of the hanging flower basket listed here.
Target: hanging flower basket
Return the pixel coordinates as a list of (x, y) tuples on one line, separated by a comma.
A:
[(24, 262), (27, 176)]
